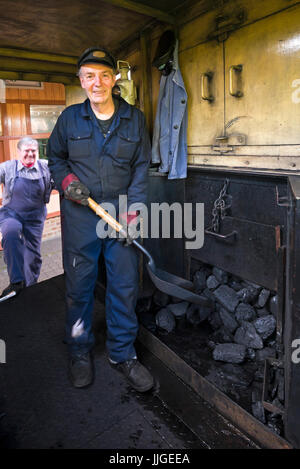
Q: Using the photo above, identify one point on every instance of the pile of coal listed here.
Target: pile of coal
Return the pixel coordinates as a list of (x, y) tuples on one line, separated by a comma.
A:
[(242, 321)]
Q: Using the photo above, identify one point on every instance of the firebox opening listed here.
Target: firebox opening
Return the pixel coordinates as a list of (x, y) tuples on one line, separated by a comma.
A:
[(233, 345)]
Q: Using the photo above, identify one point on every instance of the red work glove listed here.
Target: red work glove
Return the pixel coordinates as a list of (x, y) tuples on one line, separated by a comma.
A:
[(74, 190), (129, 221)]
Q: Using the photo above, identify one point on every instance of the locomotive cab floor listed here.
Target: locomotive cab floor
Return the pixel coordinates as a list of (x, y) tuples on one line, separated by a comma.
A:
[(40, 409)]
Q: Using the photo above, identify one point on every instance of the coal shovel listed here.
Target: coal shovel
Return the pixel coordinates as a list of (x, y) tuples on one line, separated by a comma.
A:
[(164, 281)]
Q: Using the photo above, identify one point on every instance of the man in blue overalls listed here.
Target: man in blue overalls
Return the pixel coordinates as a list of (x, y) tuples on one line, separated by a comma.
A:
[(27, 188), (100, 148)]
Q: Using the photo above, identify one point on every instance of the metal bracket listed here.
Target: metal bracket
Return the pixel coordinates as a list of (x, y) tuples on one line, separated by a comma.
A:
[(282, 201), (230, 237), (226, 24), (222, 142), (222, 148)]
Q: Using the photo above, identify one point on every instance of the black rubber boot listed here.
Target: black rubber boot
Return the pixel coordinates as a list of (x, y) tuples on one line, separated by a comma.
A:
[(136, 374), (13, 287), (81, 370)]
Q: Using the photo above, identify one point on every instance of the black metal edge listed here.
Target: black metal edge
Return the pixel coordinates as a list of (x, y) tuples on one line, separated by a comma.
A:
[(189, 407), (244, 171), (267, 366), (241, 418), (265, 383), (292, 323), (281, 279), (294, 183)]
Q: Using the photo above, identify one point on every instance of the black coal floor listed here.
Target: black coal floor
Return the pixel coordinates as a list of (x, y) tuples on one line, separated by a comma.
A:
[(40, 409)]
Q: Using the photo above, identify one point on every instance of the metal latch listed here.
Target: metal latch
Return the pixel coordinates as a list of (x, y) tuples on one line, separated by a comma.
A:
[(226, 24), (223, 147)]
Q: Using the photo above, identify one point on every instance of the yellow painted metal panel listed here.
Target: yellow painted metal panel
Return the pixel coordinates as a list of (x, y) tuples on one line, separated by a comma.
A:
[(197, 29), (205, 118), (268, 113)]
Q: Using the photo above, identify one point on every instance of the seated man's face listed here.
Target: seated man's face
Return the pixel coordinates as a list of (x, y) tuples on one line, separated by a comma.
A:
[(28, 154)]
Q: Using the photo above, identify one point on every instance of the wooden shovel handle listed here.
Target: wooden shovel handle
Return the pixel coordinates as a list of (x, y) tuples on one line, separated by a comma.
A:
[(106, 216)]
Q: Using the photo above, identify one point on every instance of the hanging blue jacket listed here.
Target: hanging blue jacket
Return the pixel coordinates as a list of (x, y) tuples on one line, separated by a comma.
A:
[(169, 145), (108, 166)]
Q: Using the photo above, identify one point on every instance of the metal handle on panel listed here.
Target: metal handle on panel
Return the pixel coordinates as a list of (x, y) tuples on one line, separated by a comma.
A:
[(234, 72), (206, 79)]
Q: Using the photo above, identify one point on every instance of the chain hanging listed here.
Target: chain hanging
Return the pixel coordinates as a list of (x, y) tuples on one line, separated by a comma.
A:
[(219, 208)]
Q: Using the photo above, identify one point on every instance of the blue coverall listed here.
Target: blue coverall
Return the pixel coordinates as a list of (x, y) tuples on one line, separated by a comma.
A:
[(108, 166)]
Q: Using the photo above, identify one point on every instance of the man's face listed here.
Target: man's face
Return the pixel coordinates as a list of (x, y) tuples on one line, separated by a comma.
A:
[(28, 154), (97, 80)]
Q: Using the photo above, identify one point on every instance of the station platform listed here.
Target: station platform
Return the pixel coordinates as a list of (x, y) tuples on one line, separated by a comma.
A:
[(51, 251)]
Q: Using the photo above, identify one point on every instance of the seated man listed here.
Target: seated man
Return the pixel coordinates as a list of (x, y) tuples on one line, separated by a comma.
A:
[(27, 188)]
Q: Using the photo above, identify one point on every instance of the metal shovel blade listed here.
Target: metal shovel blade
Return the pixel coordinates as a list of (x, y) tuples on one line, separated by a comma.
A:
[(171, 284), (164, 281), (6, 297)]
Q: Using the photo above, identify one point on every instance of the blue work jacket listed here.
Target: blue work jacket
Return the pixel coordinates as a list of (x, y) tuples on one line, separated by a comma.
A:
[(169, 145), (109, 166)]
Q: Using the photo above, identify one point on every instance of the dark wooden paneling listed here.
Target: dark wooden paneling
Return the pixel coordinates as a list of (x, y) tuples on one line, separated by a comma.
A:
[(50, 93), (66, 26), (16, 119)]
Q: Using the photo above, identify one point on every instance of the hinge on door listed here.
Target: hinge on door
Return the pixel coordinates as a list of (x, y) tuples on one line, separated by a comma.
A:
[(226, 24)]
